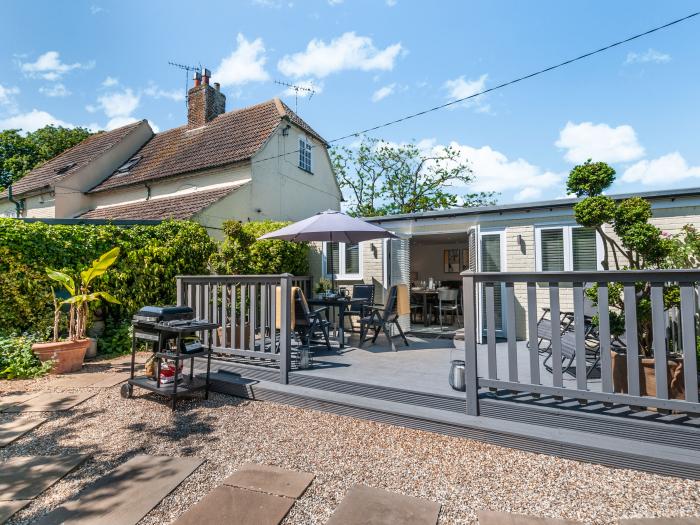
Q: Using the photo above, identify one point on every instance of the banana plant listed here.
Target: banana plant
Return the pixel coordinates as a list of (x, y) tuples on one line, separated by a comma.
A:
[(81, 295)]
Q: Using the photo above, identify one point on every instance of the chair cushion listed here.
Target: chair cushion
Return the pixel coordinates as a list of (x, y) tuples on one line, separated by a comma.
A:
[(459, 335)]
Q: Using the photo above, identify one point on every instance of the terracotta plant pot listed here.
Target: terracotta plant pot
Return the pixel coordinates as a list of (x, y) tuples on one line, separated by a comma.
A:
[(246, 336), (647, 376), (67, 355)]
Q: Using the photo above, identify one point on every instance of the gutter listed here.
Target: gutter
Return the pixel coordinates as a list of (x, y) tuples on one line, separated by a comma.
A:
[(19, 205)]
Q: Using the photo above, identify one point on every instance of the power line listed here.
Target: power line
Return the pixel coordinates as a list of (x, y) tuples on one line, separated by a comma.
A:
[(516, 80)]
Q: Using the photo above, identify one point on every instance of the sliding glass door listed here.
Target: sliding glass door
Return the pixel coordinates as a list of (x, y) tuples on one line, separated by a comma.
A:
[(493, 260)]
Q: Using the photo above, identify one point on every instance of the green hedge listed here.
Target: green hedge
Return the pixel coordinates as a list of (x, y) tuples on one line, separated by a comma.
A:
[(151, 257)]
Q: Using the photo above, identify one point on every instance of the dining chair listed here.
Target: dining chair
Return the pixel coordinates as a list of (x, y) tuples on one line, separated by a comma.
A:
[(448, 303), (360, 291)]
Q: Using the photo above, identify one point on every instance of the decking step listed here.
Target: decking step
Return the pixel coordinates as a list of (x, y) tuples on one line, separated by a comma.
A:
[(126, 494), (371, 506), (569, 444)]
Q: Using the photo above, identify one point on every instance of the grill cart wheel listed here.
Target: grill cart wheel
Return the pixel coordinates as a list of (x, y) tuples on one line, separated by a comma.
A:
[(127, 390)]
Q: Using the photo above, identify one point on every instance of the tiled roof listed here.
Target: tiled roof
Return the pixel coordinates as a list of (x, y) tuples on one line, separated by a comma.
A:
[(229, 138), (179, 207), (47, 175)]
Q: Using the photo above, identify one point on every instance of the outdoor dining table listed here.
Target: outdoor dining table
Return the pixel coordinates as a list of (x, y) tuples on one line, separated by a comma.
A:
[(342, 304), (426, 293)]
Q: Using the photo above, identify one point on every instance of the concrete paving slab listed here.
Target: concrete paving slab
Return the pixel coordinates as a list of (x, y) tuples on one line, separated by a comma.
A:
[(506, 518), (90, 379), (7, 401), (661, 521), (9, 508), (273, 480), (235, 506), (50, 402), (126, 494), (371, 506), (26, 477), (15, 429)]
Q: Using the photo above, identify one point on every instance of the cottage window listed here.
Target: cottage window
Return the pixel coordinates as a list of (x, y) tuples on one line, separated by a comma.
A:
[(342, 260), (305, 154), (566, 248)]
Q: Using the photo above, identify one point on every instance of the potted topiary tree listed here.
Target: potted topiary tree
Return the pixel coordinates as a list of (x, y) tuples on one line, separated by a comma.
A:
[(68, 355), (633, 244)]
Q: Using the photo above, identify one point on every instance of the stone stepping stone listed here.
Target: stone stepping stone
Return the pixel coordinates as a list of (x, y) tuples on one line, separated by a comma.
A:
[(126, 494), (661, 521), (13, 430), (49, 402), (370, 506), (23, 478), (506, 518), (9, 508), (12, 399), (269, 479), (91, 379), (235, 506)]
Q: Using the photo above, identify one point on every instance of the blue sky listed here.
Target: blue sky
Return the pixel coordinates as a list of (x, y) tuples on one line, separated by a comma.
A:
[(101, 64)]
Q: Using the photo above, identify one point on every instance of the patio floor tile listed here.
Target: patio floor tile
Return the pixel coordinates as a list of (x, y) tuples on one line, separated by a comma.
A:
[(27, 477), (370, 506), (8, 508), (90, 379), (235, 506), (506, 518), (12, 399), (49, 402), (126, 494), (273, 480), (15, 429)]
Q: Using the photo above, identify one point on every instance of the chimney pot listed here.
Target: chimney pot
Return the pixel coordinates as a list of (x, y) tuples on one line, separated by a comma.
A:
[(217, 86), (204, 102), (197, 77)]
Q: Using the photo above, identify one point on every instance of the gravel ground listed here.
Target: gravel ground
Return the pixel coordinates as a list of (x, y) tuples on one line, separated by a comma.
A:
[(463, 475)]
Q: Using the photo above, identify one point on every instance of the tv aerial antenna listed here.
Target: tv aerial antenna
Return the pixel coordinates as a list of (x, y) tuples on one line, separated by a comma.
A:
[(297, 89), (187, 70)]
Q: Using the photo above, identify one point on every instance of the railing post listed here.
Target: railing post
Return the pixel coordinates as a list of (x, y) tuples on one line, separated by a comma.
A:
[(285, 327), (470, 357), (179, 287)]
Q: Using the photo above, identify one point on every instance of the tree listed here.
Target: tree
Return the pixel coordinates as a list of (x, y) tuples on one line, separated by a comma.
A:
[(383, 178), (638, 244), (19, 154)]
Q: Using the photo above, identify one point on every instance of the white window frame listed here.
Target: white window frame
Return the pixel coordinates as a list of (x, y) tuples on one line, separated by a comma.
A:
[(341, 275), (308, 144), (568, 247)]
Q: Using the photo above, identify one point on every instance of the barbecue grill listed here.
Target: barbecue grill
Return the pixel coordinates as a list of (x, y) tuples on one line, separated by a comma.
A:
[(172, 332)]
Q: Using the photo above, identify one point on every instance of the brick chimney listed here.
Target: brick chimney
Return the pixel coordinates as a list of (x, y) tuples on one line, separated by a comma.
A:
[(204, 102)]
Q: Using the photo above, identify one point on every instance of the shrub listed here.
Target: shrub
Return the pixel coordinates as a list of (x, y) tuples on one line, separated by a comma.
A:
[(242, 254), (17, 361), (151, 257)]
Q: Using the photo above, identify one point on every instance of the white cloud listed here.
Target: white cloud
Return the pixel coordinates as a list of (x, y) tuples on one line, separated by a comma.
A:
[(49, 67), (460, 88), (56, 90), (118, 122), (599, 142), (391, 3), (96, 9), (334, 2), (347, 52), (651, 55), (31, 121), (155, 92), (383, 92), (110, 82), (119, 104), (245, 64), (304, 84), (494, 171), (663, 171), (7, 98)]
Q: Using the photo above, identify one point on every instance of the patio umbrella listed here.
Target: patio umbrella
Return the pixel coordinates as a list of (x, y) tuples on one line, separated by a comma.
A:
[(330, 226)]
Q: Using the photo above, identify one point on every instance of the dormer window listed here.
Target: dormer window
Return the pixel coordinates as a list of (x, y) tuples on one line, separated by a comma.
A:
[(63, 169), (126, 167), (305, 154)]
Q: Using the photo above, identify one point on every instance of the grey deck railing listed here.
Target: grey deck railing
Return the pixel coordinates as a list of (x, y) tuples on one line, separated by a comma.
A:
[(246, 308), (480, 291)]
